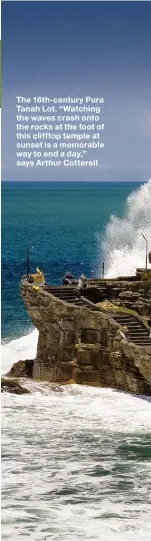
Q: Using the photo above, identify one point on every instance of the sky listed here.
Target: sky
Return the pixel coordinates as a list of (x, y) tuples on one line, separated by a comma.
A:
[(81, 49)]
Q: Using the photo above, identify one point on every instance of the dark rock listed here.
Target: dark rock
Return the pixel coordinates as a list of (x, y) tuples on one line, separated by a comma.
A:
[(22, 369), (12, 386)]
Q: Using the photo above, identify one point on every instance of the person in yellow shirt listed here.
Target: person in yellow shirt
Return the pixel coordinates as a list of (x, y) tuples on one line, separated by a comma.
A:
[(38, 278)]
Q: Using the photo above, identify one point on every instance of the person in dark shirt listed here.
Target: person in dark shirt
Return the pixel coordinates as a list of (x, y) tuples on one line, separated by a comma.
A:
[(67, 280)]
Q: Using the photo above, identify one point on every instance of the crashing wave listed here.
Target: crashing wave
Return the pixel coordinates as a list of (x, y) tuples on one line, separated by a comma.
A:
[(123, 243)]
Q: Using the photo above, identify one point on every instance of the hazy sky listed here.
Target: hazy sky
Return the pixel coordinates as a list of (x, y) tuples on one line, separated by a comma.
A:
[(78, 49)]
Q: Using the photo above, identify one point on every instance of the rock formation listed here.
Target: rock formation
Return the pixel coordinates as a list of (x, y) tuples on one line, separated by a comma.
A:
[(85, 345), (21, 369), (12, 386)]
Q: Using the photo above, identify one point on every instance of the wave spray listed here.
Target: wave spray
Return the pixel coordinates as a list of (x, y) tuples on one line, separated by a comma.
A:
[(123, 244)]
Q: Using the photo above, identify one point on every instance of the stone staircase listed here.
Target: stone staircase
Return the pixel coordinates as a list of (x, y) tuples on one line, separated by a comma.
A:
[(69, 294), (136, 330), (96, 292), (65, 293)]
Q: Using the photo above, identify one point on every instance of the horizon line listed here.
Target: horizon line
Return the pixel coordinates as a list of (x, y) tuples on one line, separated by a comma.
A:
[(73, 181)]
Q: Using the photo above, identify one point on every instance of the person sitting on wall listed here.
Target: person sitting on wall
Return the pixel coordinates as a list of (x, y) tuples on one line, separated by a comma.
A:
[(38, 277), (82, 284), (67, 280)]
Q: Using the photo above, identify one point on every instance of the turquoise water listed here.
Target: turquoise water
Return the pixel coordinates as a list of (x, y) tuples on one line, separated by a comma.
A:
[(64, 222)]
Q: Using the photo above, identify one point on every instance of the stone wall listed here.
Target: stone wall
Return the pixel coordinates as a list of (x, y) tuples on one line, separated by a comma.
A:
[(78, 344)]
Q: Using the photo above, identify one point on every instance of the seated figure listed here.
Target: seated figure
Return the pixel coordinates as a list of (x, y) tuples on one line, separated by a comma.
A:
[(38, 277), (67, 280)]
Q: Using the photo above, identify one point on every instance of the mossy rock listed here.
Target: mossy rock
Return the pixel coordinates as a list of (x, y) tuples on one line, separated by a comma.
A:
[(146, 276), (107, 306)]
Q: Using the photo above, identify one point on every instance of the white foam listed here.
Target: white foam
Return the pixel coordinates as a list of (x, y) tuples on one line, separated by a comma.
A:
[(18, 349), (53, 446), (123, 244)]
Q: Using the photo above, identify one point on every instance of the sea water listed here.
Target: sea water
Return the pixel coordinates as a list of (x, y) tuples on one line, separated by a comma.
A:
[(76, 461)]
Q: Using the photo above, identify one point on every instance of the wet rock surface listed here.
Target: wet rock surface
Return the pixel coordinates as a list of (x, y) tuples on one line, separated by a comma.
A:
[(12, 386), (22, 369)]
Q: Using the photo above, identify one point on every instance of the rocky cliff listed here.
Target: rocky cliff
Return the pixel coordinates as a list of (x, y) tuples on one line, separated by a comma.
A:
[(85, 345)]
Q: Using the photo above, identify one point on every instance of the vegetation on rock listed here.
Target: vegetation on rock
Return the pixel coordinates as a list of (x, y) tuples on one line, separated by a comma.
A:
[(108, 306)]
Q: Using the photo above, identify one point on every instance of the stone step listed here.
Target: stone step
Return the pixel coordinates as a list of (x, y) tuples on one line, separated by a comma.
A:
[(122, 319), (136, 331), (62, 297), (60, 290), (126, 316), (135, 324), (139, 336), (137, 339), (140, 343), (66, 295)]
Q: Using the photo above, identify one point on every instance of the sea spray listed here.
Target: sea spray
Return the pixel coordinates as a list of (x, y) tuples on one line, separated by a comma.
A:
[(18, 349), (123, 244)]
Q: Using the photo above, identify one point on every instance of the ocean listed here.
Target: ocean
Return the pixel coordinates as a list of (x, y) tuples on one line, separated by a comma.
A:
[(76, 461)]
